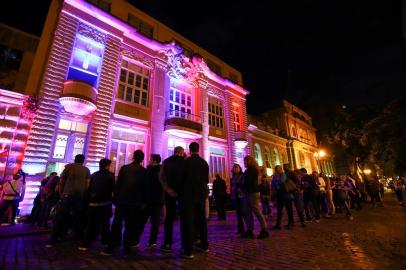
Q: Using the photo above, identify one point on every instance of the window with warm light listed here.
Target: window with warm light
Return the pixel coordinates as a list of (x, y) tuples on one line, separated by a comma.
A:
[(258, 154), (267, 157), (215, 108), (133, 86), (236, 118), (180, 104), (276, 157)]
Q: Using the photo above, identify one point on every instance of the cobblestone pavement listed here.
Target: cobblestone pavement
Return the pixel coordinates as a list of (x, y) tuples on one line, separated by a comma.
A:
[(375, 239)]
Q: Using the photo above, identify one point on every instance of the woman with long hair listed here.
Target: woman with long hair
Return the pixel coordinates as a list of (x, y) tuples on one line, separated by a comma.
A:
[(237, 196), (251, 200)]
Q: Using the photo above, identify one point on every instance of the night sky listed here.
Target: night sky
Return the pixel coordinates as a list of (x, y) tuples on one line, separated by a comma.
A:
[(309, 52)]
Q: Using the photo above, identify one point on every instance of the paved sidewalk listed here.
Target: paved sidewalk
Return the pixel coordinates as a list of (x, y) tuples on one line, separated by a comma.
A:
[(375, 239)]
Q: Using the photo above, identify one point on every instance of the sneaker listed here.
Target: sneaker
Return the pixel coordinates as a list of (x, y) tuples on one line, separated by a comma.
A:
[(152, 245), (317, 220), (107, 252), (247, 234), (350, 217), (187, 255), (83, 248), (263, 234), (202, 248), (276, 227), (50, 244), (166, 248), (137, 245), (308, 220)]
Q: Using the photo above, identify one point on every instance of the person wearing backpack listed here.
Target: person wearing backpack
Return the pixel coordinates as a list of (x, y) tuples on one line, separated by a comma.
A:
[(11, 195)]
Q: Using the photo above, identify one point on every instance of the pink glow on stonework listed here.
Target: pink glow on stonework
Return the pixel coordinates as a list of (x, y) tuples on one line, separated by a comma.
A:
[(77, 106), (183, 134)]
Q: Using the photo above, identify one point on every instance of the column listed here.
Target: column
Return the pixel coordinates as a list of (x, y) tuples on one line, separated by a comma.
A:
[(228, 121), (44, 124), (97, 143), (159, 97), (204, 114)]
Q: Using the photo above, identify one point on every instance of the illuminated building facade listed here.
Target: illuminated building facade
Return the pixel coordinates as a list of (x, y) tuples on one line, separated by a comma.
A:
[(108, 87)]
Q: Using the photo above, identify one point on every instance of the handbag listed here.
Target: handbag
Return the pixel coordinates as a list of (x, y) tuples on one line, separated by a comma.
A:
[(289, 185)]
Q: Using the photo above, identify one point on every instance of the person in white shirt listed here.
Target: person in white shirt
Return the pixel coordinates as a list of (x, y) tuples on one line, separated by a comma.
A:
[(12, 194), (321, 183)]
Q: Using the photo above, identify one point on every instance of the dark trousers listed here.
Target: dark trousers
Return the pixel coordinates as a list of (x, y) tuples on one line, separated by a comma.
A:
[(70, 208), (190, 214), (221, 212), (355, 201), (282, 202), (399, 195), (152, 212), (342, 201), (170, 214), (98, 223), (129, 215), (45, 213), (299, 204), (238, 206), (311, 197), (36, 210), (375, 198), (266, 207), (322, 203), (5, 204)]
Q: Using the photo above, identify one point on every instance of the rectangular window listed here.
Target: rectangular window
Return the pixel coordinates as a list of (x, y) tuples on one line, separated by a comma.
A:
[(217, 166), (236, 118), (215, 113), (78, 146), (60, 146), (180, 104), (133, 86), (142, 27)]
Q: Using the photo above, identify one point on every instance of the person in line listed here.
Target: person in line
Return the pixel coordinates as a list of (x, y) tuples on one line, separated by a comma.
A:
[(329, 197), (381, 189), (373, 187), (220, 196), (265, 195), (310, 195), (321, 183), (354, 193), (237, 196), (192, 202), (12, 195), (99, 211), (398, 188), (154, 199), (283, 198), (49, 198), (171, 177), (342, 195), (298, 193), (73, 186), (36, 209), (129, 199), (250, 188)]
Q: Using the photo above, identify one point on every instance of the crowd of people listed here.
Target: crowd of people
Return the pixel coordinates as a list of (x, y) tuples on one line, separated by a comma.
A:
[(83, 202)]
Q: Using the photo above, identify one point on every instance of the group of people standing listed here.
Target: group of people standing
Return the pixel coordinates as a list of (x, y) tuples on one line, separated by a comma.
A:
[(86, 200)]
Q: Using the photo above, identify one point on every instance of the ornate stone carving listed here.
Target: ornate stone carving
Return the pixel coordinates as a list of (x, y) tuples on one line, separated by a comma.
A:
[(90, 32), (214, 92), (133, 55)]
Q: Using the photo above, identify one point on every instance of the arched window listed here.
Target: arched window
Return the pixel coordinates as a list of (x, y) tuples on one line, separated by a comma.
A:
[(267, 157), (257, 154), (284, 158), (276, 156)]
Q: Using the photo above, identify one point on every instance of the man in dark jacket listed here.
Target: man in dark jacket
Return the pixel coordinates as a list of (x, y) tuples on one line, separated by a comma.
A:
[(171, 178), (192, 198), (100, 198), (154, 198), (310, 194), (220, 196), (73, 186), (129, 199)]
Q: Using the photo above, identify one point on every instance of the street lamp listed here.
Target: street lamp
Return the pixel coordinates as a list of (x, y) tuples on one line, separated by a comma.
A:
[(317, 155), (367, 171)]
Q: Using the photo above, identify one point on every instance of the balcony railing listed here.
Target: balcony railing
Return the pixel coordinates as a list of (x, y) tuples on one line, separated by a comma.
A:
[(183, 115)]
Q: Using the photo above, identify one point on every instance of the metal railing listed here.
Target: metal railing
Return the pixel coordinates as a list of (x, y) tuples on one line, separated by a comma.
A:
[(183, 115)]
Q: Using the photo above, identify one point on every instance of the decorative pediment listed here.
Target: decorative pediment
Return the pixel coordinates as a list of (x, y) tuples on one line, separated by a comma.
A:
[(179, 66), (90, 32), (214, 92), (131, 54)]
